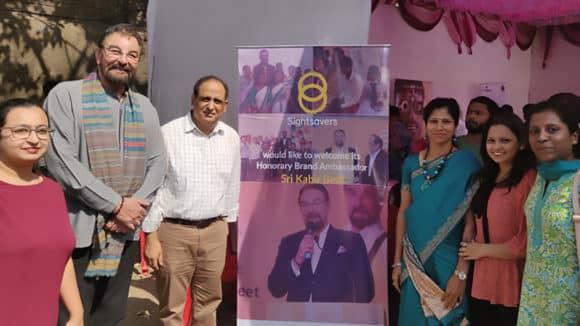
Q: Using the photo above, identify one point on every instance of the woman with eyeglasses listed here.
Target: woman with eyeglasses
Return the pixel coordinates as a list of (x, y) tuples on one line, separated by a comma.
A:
[(36, 239)]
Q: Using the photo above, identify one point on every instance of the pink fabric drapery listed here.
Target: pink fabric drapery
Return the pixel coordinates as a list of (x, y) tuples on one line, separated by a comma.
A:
[(537, 12), (513, 21), (525, 35), (507, 34), (548, 45), (461, 28), (420, 16), (571, 33), (487, 27)]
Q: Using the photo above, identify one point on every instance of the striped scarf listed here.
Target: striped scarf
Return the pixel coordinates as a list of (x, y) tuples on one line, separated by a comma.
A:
[(123, 174)]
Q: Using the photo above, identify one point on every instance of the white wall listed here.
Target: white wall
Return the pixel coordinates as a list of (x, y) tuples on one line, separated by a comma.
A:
[(562, 73), (192, 38), (189, 39), (432, 56)]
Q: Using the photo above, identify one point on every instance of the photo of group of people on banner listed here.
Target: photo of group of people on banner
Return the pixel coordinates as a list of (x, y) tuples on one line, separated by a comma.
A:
[(314, 136)]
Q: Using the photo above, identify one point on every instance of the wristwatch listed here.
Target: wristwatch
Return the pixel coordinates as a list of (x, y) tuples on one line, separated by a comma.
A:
[(461, 275)]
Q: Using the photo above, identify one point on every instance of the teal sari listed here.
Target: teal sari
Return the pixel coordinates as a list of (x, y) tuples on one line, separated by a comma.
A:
[(434, 231)]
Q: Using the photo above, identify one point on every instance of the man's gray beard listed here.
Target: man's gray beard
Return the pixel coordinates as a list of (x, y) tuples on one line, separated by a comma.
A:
[(119, 82)]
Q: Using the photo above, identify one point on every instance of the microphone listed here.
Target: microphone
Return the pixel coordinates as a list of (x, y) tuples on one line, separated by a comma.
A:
[(309, 229)]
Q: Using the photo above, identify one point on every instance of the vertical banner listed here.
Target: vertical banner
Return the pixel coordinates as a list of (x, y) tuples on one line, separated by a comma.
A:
[(314, 131)]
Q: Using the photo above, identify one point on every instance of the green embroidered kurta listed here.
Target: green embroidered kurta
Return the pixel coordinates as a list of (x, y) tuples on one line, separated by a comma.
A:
[(551, 282)]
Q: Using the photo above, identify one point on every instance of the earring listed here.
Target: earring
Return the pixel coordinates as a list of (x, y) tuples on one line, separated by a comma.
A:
[(425, 138), (454, 139)]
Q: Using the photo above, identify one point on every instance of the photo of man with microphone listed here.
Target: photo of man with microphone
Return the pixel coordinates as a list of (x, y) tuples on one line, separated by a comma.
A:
[(321, 263)]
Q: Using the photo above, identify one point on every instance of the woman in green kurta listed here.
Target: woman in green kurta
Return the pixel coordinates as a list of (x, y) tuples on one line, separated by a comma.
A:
[(551, 282)]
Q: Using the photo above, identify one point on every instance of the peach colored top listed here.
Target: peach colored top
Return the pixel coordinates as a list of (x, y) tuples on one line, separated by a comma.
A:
[(499, 280)]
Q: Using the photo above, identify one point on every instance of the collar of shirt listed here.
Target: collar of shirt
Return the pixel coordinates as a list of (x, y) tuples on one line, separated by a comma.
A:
[(375, 153), (340, 149), (322, 236), (372, 158), (191, 127), (369, 233), (372, 231), (317, 252)]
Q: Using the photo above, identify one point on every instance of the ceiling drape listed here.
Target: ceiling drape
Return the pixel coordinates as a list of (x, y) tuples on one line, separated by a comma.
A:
[(512, 22)]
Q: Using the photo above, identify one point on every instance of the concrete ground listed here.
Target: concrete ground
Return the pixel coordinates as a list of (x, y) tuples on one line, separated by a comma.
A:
[(143, 306)]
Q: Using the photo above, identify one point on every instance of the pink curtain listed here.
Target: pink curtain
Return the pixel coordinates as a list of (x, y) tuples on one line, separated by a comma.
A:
[(374, 4), (487, 27), (529, 11), (513, 21), (507, 34), (525, 35), (571, 33), (420, 16), (548, 44), (453, 27), (461, 29)]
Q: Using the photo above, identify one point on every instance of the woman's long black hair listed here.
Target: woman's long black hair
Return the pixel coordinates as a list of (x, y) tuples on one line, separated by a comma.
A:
[(523, 161)]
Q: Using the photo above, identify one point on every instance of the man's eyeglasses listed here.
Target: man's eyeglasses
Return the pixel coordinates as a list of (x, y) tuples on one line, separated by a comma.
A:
[(113, 52), (22, 132)]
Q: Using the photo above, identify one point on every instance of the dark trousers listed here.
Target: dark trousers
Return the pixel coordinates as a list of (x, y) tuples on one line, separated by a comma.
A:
[(104, 299), (482, 312)]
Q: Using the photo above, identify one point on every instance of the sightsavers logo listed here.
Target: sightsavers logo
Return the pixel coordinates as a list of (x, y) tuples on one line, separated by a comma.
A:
[(321, 87)]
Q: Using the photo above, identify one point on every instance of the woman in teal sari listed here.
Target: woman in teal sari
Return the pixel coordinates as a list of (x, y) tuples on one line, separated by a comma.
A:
[(437, 186)]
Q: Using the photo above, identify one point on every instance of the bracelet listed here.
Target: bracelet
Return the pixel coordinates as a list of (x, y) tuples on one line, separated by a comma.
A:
[(120, 206), (395, 265)]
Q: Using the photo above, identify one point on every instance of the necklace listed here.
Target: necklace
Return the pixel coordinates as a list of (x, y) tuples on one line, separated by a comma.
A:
[(440, 164)]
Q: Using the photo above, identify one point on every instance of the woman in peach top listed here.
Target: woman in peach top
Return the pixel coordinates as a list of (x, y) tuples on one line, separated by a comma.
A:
[(498, 208)]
